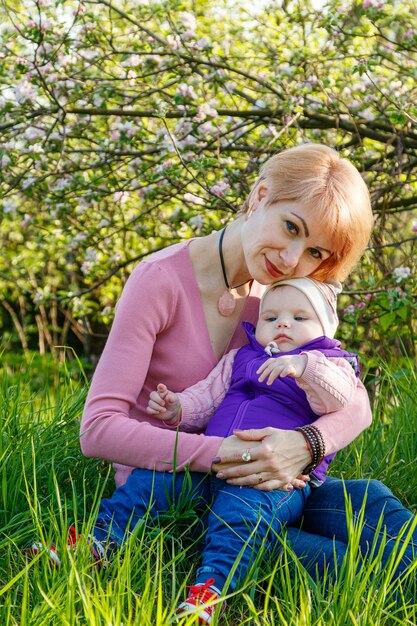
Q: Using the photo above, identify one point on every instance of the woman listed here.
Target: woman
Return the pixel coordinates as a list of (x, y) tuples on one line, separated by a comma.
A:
[(308, 214)]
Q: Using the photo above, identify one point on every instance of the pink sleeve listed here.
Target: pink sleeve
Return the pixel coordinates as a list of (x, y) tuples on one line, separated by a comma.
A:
[(340, 428), (114, 426), (200, 401), (329, 383)]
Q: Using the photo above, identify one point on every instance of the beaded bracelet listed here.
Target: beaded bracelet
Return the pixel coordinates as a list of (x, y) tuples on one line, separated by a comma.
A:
[(315, 445)]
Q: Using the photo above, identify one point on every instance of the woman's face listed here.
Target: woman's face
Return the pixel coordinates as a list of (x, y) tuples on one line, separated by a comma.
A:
[(282, 240)]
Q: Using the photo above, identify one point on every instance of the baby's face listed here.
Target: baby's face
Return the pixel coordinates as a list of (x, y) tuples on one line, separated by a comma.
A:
[(287, 318)]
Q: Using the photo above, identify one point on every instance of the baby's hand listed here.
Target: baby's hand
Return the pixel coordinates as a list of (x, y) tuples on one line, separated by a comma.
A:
[(164, 404), (290, 365)]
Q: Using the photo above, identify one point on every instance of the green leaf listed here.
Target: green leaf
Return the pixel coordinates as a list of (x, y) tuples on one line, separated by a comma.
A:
[(387, 320), (398, 117)]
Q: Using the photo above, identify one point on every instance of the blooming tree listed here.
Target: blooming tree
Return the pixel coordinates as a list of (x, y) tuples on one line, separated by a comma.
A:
[(129, 125)]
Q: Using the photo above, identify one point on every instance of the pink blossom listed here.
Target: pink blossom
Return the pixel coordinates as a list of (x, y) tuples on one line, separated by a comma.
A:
[(190, 197), (372, 4), (197, 221), (120, 196), (9, 205), (135, 60), (45, 48), (26, 220), (349, 309), (38, 297), (62, 183), (188, 20), (202, 43), (24, 91), (32, 133), (86, 267), (204, 111), (186, 142), (368, 115), (79, 237), (401, 273), (91, 254), (188, 34), (79, 9), (206, 129), (174, 42), (144, 190), (28, 182), (414, 226), (187, 91), (175, 213), (219, 188)]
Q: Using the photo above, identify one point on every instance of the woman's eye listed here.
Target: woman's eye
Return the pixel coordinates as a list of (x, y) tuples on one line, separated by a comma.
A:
[(316, 254), (299, 318), (271, 319), (291, 227)]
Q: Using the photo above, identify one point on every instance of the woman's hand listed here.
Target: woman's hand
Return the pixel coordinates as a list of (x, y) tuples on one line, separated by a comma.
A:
[(277, 459)]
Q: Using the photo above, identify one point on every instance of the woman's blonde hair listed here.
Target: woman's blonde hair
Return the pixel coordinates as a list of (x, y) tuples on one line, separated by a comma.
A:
[(317, 176)]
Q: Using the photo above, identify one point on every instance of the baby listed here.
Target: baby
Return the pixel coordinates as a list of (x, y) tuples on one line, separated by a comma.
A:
[(290, 372)]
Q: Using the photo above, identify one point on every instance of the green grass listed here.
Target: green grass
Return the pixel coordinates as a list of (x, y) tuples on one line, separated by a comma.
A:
[(46, 484)]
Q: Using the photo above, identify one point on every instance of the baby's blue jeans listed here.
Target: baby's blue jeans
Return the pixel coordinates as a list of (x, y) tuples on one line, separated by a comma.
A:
[(239, 520)]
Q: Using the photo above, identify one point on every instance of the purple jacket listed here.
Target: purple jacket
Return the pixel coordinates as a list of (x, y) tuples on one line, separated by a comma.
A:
[(251, 404)]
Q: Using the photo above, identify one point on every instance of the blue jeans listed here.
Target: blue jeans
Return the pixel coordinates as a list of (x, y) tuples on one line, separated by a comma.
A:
[(322, 540), (239, 520)]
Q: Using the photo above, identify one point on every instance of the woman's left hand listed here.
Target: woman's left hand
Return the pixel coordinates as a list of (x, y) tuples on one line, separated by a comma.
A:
[(276, 461)]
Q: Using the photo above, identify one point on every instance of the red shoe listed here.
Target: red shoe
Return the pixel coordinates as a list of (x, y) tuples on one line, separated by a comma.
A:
[(38, 547), (198, 596), (97, 548)]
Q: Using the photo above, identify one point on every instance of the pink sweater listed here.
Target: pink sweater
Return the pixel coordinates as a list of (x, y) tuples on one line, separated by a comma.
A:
[(160, 334)]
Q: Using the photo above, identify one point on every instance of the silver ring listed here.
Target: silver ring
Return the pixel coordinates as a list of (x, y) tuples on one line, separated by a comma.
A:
[(246, 456)]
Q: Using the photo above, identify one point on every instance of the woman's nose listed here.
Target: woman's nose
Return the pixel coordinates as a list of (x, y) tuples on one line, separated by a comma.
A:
[(291, 255)]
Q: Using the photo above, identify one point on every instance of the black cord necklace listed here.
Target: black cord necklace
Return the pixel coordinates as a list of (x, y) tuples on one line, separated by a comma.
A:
[(227, 302)]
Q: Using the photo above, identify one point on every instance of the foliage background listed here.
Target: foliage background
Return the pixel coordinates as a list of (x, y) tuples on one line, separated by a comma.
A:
[(127, 126)]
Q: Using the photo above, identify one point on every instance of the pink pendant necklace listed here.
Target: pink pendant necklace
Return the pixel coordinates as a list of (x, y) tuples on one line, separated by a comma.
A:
[(227, 303)]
